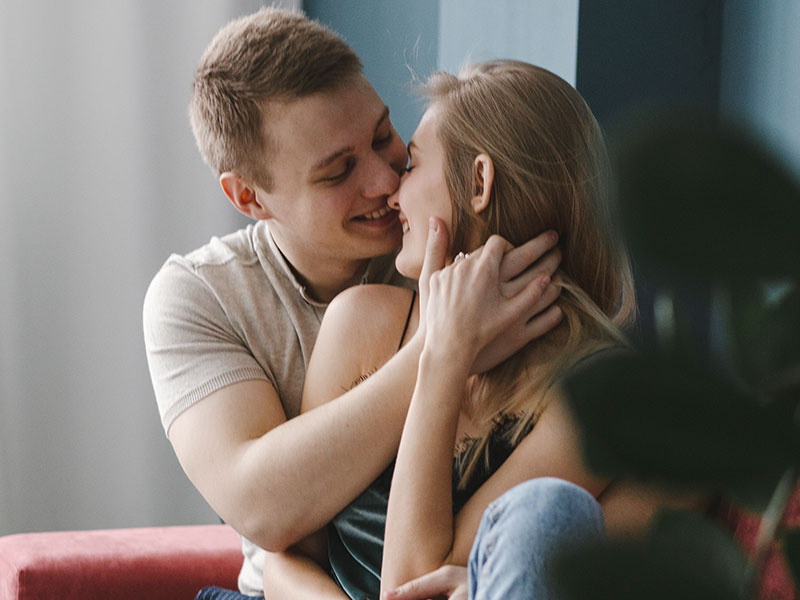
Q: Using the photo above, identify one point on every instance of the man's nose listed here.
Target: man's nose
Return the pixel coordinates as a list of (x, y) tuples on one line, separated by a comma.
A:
[(383, 179), (393, 200)]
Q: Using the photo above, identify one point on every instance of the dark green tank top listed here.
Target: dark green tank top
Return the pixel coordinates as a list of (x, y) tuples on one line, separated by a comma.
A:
[(355, 537)]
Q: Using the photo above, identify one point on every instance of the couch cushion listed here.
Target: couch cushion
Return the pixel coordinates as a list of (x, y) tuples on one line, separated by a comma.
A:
[(152, 563)]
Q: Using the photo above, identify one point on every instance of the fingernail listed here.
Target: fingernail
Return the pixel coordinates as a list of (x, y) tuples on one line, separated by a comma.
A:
[(553, 237), (544, 281), (433, 224)]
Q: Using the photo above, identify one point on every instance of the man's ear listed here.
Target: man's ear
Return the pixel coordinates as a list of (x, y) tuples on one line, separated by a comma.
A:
[(245, 197), (482, 181)]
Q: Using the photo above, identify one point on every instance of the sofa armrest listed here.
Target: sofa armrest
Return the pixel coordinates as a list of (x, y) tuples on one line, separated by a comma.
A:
[(153, 563)]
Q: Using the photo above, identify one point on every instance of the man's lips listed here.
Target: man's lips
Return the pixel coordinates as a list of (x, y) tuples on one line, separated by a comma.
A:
[(375, 215)]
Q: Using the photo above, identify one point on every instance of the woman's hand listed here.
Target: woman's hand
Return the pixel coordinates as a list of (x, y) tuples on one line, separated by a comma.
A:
[(518, 269), (448, 582), (468, 305)]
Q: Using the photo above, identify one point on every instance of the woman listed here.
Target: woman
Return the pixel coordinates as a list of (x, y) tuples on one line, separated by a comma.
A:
[(504, 149)]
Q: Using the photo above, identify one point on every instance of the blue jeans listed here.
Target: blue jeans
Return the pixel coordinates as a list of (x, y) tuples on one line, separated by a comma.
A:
[(523, 531)]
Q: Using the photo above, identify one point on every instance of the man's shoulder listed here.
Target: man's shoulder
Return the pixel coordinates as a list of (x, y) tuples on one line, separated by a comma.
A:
[(220, 262), (222, 271), (238, 247)]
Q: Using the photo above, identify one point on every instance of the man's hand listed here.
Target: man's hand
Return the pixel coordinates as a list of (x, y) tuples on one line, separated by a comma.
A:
[(448, 582)]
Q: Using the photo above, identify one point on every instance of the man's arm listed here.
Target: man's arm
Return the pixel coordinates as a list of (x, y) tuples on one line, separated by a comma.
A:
[(300, 572), (276, 481)]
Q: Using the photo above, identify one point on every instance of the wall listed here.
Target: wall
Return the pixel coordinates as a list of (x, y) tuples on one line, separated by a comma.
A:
[(397, 42), (760, 78), (634, 57), (401, 42), (101, 182), (542, 32)]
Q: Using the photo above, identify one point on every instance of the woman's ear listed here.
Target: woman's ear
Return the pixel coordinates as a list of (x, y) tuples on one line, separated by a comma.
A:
[(482, 181), (244, 197)]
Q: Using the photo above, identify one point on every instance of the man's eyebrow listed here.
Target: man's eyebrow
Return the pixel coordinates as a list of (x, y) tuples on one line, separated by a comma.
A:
[(331, 157), (384, 116)]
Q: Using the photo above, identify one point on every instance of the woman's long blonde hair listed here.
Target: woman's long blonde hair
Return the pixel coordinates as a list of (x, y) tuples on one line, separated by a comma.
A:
[(550, 172)]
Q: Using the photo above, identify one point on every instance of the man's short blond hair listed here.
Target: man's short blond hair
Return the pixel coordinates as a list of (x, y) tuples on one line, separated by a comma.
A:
[(272, 55)]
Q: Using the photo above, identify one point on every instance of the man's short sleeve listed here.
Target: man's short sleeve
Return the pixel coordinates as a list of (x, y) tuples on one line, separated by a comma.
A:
[(192, 347)]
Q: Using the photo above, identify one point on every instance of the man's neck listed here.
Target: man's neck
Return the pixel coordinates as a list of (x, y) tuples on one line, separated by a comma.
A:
[(322, 277)]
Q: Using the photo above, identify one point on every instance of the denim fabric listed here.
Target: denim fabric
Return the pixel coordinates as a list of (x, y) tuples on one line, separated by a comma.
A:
[(215, 593), (520, 534)]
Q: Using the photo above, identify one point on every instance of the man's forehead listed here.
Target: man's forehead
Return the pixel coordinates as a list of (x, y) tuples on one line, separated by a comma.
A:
[(325, 122)]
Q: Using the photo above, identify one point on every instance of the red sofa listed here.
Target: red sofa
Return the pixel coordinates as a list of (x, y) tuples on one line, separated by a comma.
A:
[(169, 563), (174, 563)]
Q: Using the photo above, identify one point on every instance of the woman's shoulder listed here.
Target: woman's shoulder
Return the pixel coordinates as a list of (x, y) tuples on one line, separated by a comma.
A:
[(361, 330), (369, 306), (366, 321)]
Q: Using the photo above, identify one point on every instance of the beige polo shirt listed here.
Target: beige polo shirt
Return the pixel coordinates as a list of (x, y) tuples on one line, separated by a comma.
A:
[(231, 311)]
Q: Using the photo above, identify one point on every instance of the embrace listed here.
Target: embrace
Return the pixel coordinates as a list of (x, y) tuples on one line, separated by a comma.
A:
[(404, 438)]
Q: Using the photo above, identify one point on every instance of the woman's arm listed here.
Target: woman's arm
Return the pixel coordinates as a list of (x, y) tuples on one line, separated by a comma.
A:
[(421, 532), (359, 333), (461, 315)]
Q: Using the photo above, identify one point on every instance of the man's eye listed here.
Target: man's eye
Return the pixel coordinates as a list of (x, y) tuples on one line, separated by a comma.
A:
[(348, 168), (383, 142)]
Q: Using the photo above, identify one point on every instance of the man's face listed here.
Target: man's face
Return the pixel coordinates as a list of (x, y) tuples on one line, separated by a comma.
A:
[(336, 158)]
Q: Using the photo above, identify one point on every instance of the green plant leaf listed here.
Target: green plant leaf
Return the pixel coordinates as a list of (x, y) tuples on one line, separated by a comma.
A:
[(765, 323), (658, 418), (791, 547), (684, 556), (704, 201)]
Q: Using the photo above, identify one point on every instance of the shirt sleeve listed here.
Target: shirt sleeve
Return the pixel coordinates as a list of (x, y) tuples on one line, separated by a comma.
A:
[(192, 348)]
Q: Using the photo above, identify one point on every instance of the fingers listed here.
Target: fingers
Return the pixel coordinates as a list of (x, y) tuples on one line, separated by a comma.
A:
[(542, 323), (517, 260), (548, 295), (435, 250), (439, 582), (545, 265), (538, 314)]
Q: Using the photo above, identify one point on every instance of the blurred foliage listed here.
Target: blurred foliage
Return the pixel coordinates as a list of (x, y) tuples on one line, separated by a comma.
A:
[(683, 556), (706, 212)]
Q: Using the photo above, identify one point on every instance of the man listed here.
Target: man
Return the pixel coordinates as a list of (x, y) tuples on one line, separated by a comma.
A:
[(303, 145)]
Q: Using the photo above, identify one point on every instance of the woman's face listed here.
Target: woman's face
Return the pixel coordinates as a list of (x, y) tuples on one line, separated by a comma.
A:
[(422, 194)]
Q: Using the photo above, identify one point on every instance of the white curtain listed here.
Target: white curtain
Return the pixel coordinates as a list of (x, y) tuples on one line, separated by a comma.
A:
[(100, 182)]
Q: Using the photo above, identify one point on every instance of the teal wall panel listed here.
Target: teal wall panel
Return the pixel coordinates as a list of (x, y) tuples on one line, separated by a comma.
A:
[(542, 32), (394, 39), (760, 75)]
